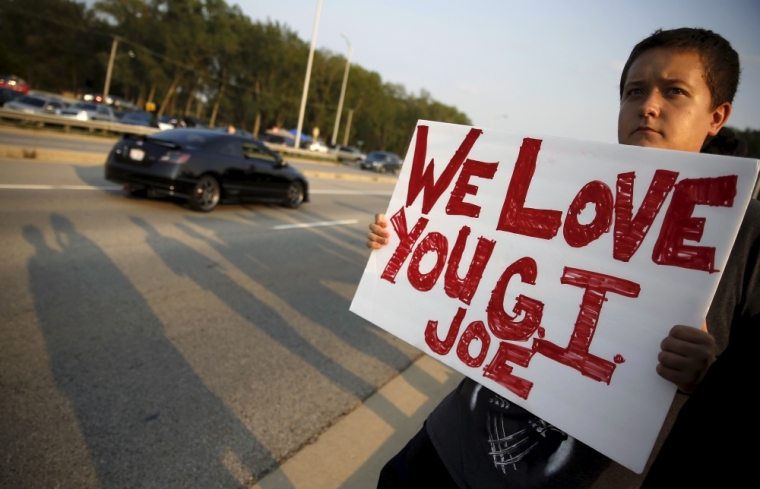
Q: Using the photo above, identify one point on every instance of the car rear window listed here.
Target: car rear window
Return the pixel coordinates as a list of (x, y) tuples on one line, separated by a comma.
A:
[(33, 101), (190, 139)]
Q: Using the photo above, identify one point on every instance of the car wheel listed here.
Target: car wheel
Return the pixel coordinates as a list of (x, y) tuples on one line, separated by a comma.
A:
[(396, 171), (381, 169), (295, 195), (138, 192), (205, 194)]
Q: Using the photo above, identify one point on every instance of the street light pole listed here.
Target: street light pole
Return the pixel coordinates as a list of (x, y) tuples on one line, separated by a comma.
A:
[(342, 89), (308, 75), (109, 70)]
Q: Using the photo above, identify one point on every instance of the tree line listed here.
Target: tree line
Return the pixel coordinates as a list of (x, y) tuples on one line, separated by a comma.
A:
[(205, 58)]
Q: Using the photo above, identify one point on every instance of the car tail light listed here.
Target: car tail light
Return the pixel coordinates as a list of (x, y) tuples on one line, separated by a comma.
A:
[(175, 157)]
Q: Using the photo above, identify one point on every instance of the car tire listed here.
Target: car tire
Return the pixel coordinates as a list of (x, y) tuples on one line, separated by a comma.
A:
[(295, 195), (206, 194), (139, 193), (380, 169), (396, 171)]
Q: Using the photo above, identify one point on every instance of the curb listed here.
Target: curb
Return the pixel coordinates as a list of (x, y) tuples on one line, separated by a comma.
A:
[(90, 158)]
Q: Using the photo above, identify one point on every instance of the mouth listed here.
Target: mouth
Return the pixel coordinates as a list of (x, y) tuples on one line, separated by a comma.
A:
[(645, 130)]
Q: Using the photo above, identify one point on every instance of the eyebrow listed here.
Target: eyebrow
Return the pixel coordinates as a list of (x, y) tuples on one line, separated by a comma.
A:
[(666, 80)]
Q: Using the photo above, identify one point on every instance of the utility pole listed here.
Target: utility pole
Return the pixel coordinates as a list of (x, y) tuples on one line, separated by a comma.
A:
[(109, 70), (308, 75), (348, 127), (342, 89)]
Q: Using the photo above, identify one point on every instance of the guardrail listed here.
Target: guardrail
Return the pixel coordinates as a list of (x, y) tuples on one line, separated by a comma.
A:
[(68, 122)]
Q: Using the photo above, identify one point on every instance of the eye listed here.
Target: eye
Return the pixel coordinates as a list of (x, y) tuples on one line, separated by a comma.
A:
[(635, 92), (676, 91)]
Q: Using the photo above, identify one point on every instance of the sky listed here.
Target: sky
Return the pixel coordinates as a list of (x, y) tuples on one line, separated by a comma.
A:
[(548, 68)]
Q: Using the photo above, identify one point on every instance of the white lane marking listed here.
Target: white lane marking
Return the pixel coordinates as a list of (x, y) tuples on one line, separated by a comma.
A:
[(314, 224), (5, 186), (8, 186), (347, 192)]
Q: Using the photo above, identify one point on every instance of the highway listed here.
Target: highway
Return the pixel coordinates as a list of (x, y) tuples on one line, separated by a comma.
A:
[(146, 345)]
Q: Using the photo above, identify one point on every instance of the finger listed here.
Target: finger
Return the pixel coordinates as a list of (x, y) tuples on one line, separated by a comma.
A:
[(677, 362), (686, 349), (380, 220), (691, 335), (684, 382), (373, 245), (377, 230)]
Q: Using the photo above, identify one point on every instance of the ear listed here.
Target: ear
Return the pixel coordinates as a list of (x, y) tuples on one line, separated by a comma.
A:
[(718, 118)]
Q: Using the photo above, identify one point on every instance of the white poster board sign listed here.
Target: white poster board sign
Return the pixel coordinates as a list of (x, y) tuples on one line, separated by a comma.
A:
[(549, 270)]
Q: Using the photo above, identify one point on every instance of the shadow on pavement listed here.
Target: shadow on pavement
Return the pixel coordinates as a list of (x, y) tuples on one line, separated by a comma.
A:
[(146, 417), (185, 261), (305, 268)]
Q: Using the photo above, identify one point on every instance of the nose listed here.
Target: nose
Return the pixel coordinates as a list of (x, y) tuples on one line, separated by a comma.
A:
[(650, 104)]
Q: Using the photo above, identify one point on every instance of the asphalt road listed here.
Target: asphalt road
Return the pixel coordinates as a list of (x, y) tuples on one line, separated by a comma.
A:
[(146, 345)]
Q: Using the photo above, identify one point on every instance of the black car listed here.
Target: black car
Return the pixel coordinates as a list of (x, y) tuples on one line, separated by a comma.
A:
[(205, 167), (382, 162)]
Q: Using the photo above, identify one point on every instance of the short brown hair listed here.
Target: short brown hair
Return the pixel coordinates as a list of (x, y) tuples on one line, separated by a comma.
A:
[(719, 59)]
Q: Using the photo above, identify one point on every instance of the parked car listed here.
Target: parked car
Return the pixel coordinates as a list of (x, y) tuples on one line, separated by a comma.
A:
[(205, 167), (85, 111), (382, 162), (138, 119), (13, 82), (319, 147), (7, 95), (348, 153), (35, 104)]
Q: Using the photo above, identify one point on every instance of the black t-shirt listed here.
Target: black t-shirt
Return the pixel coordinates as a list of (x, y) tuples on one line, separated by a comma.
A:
[(485, 441)]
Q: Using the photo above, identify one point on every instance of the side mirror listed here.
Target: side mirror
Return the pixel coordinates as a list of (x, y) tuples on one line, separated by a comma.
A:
[(279, 161)]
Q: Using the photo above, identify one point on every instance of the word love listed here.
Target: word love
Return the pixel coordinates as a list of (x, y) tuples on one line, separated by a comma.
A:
[(527, 312), (629, 229)]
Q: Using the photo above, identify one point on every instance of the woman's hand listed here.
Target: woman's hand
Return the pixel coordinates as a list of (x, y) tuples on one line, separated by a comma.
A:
[(686, 355), (378, 236)]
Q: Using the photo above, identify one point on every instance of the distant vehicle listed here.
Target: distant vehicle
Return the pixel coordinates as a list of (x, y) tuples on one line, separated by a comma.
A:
[(166, 122), (89, 112), (7, 95), (35, 104), (382, 162), (348, 153), (138, 119), (319, 147), (277, 139), (205, 167), (194, 122), (14, 83)]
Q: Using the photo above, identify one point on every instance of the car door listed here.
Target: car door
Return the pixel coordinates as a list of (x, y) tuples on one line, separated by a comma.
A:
[(226, 155), (264, 176)]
